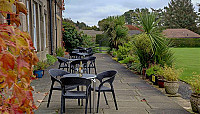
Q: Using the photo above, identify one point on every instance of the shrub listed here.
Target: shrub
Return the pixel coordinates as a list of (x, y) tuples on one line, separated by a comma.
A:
[(60, 52), (88, 41), (71, 37), (125, 50), (195, 84), (170, 73), (153, 69), (143, 49), (41, 65), (128, 59), (102, 40), (185, 42), (51, 59)]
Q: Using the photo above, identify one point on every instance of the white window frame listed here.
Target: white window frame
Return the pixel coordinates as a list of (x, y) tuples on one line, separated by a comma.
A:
[(34, 26)]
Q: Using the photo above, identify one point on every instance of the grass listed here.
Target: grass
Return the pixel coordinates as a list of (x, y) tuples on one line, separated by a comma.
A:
[(189, 60), (103, 49)]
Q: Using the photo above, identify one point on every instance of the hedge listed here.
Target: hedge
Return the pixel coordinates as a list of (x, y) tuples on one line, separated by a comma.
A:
[(102, 40), (185, 42)]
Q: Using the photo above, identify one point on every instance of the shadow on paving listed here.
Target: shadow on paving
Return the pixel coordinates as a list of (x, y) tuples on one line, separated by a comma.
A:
[(134, 95)]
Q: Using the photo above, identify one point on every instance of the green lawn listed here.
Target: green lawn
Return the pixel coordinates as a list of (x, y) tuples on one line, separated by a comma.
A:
[(189, 60), (103, 49)]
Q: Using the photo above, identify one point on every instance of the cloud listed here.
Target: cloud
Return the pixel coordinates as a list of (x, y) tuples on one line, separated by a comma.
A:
[(91, 11)]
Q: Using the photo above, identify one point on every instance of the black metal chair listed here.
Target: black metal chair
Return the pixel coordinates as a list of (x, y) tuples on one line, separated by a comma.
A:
[(74, 55), (74, 65), (91, 65), (63, 63), (109, 76), (55, 75), (75, 81)]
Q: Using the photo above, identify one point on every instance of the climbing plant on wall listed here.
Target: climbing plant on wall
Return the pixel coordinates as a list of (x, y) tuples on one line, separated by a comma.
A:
[(17, 56)]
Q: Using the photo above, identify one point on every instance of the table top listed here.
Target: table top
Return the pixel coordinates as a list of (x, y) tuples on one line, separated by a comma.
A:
[(82, 54), (87, 76)]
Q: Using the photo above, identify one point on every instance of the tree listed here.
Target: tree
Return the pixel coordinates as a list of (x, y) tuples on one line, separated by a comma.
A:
[(71, 37), (180, 14), (131, 16), (114, 28), (151, 46)]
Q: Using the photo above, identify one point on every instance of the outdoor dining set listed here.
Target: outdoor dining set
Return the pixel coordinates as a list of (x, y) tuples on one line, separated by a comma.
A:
[(76, 81)]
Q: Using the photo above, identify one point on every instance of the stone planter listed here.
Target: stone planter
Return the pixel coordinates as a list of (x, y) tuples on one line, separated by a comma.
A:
[(195, 101), (171, 87)]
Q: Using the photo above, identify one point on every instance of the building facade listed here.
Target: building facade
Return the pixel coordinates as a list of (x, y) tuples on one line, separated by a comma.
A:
[(44, 23)]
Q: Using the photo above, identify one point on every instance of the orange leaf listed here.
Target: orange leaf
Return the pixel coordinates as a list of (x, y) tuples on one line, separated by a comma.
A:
[(5, 7), (11, 78), (2, 45), (21, 7), (14, 18), (8, 61), (19, 93)]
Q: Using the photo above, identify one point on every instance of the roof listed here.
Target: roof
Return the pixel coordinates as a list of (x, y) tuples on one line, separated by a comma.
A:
[(131, 27), (133, 32), (92, 33), (180, 33)]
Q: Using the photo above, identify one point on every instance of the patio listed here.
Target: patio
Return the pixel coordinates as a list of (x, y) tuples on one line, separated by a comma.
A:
[(134, 95)]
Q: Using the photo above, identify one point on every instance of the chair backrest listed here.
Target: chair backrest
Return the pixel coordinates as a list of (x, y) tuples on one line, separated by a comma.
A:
[(89, 50), (91, 58), (75, 81), (62, 59), (84, 61), (74, 55), (57, 72), (80, 47), (106, 74)]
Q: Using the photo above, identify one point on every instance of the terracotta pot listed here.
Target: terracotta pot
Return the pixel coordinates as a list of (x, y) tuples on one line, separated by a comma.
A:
[(195, 101), (171, 87), (161, 83)]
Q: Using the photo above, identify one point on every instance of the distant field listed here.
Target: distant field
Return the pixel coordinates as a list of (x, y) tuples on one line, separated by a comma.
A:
[(189, 60)]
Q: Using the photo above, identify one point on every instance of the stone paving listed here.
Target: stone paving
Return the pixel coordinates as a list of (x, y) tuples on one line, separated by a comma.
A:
[(134, 95)]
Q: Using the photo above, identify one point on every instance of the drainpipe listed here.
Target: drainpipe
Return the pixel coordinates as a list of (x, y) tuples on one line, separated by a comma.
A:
[(56, 23), (51, 27), (8, 19)]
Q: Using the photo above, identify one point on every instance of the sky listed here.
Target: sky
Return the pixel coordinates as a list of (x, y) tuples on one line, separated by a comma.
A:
[(92, 11)]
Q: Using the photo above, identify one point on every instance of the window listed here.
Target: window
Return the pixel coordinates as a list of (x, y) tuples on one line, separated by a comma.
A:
[(27, 17), (34, 27), (45, 31)]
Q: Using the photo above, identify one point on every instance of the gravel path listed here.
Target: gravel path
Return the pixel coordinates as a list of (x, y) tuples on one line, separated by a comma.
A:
[(184, 90)]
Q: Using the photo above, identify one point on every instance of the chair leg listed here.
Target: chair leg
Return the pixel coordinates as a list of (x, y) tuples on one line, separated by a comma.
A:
[(105, 98), (114, 99), (98, 101), (90, 101), (61, 110), (78, 99), (89, 70), (95, 69), (49, 99), (59, 66), (86, 100)]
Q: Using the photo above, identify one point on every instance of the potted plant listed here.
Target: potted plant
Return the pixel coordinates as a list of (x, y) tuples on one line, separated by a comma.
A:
[(195, 96), (161, 81), (171, 75), (152, 73), (38, 69)]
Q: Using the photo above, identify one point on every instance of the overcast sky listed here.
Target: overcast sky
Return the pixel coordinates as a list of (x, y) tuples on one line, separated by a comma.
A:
[(91, 11)]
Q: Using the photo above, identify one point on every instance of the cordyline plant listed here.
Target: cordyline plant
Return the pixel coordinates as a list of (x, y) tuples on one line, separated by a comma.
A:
[(17, 56)]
